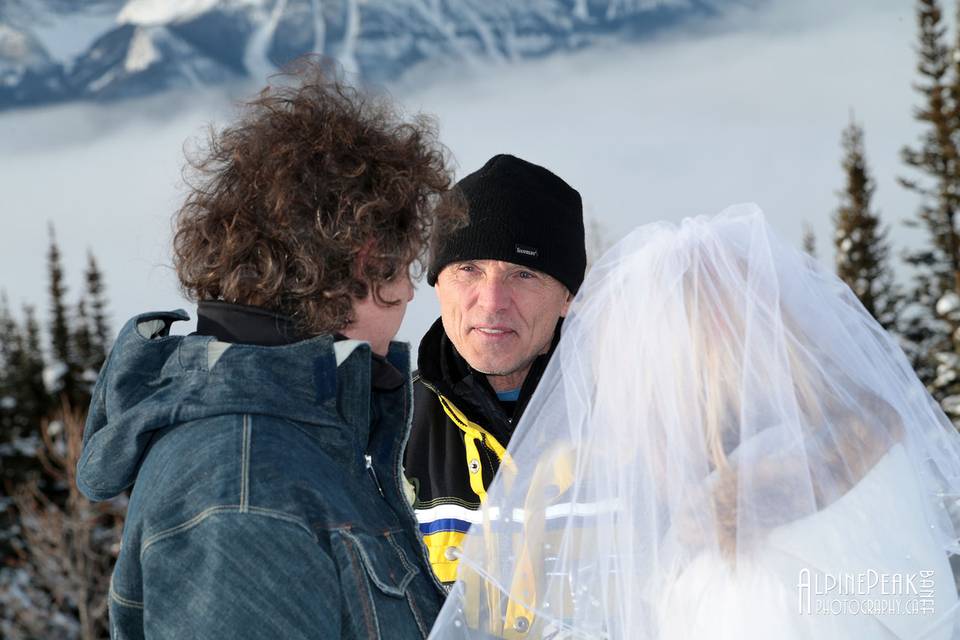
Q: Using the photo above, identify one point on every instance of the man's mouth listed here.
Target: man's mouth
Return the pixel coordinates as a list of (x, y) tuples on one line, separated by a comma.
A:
[(493, 331)]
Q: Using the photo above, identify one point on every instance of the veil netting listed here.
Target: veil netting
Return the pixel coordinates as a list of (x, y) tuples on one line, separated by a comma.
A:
[(725, 445)]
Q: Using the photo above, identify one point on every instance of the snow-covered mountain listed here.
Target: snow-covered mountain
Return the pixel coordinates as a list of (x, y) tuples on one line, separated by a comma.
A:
[(56, 50)]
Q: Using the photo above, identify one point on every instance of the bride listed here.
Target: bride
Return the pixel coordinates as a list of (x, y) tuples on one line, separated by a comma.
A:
[(725, 445)]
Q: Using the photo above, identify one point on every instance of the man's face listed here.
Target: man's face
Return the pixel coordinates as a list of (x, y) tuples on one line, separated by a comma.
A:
[(500, 316), (376, 323)]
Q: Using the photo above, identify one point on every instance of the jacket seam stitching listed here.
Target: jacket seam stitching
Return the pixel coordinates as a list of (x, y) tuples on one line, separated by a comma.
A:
[(416, 614), (374, 576), (369, 609), (206, 513), (423, 553), (116, 597), (490, 465), (412, 571), (442, 500), (245, 465)]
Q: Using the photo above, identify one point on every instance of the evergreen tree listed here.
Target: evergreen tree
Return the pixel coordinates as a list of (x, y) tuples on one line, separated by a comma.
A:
[(83, 346), (22, 408), (36, 403), (10, 345), (934, 315), (63, 370), (809, 240), (9, 431), (62, 544), (98, 311), (862, 250)]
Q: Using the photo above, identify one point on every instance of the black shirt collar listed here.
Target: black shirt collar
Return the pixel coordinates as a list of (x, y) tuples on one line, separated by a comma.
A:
[(383, 375), (242, 324)]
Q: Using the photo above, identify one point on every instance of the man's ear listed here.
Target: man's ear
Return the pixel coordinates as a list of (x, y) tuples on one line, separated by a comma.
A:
[(566, 304)]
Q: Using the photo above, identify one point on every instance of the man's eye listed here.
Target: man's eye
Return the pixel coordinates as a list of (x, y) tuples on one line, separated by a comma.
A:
[(526, 275), (467, 268)]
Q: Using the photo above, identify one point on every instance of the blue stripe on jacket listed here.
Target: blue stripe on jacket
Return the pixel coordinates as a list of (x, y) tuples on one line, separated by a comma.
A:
[(444, 524)]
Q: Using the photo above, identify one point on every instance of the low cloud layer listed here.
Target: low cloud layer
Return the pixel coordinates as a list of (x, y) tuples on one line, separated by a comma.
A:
[(747, 109)]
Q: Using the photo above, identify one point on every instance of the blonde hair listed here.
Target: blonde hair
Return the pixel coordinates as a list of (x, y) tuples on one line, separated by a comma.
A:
[(717, 321)]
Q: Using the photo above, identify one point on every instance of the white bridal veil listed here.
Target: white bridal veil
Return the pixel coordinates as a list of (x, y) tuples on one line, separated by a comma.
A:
[(725, 445)]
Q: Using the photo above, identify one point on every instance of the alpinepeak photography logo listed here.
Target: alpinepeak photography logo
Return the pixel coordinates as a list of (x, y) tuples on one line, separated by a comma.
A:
[(868, 592)]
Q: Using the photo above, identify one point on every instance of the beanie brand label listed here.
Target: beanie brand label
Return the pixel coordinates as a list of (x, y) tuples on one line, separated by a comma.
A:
[(527, 251)]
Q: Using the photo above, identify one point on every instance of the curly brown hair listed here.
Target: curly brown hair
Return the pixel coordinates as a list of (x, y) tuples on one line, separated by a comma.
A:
[(318, 195)]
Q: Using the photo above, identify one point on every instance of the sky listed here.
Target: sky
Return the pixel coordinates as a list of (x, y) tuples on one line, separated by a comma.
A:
[(745, 108)]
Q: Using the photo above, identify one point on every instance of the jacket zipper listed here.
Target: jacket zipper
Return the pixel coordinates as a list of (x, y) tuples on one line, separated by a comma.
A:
[(407, 507), (373, 473)]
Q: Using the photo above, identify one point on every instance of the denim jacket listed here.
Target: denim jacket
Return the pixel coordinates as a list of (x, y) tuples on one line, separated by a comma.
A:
[(267, 499)]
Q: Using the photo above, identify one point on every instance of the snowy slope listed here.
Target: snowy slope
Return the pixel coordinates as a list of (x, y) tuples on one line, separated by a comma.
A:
[(160, 12), (27, 72), (119, 48)]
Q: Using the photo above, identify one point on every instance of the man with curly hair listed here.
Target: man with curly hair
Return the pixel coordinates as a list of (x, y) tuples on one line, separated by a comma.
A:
[(264, 450)]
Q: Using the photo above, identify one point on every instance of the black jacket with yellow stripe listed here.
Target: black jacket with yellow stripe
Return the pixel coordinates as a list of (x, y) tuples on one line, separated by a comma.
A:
[(458, 437)]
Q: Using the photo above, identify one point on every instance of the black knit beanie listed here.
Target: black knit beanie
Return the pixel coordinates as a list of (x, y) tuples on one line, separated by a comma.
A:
[(520, 213)]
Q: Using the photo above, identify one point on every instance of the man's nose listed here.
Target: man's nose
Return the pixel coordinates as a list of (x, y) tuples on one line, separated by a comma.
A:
[(493, 296)]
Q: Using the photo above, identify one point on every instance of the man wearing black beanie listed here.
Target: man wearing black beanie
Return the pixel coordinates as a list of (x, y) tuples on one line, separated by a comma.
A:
[(504, 282)]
